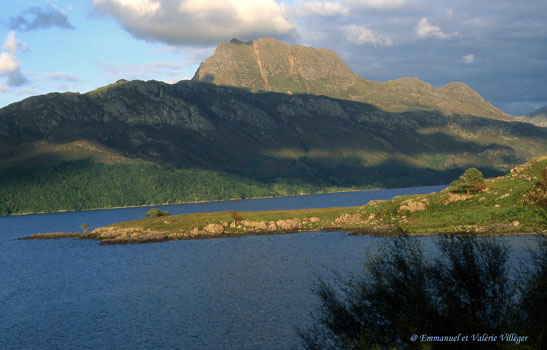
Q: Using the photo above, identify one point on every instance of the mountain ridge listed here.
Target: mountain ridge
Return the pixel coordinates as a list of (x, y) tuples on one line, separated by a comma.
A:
[(537, 117), (270, 65), (136, 143), (127, 116)]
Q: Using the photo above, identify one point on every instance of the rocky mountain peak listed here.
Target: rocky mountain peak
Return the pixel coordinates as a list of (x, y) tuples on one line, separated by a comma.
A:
[(271, 65), (268, 64)]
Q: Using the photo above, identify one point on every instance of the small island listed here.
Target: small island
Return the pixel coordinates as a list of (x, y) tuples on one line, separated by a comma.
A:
[(515, 203)]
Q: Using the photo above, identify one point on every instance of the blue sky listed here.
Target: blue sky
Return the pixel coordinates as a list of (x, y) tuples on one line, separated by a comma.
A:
[(497, 47)]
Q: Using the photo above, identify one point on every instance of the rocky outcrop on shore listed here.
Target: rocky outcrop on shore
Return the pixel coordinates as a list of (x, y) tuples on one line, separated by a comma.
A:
[(117, 235)]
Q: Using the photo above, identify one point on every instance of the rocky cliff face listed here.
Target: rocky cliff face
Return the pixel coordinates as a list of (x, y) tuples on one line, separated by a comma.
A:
[(270, 65)]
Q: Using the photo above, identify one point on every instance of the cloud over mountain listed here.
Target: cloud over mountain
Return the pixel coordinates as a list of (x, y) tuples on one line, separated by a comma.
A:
[(361, 35), (469, 59), (424, 29), (194, 22)]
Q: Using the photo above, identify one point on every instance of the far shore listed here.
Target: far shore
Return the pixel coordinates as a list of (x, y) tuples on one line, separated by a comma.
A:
[(211, 201)]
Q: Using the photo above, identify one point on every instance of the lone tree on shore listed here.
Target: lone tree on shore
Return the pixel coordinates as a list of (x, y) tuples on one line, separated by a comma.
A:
[(470, 180), (236, 216), (85, 226)]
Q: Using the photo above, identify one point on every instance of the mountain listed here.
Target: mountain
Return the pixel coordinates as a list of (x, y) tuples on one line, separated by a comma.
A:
[(268, 64), (541, 111), (135, 143), (538, 117)]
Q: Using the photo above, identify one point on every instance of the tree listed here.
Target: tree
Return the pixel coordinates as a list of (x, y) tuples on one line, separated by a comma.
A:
[(85, 227), (236, 216), (470, 180), (464, 289), (155, 212)]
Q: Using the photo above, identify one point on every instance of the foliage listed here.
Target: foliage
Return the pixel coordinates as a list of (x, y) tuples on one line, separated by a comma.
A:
[(470, 180), (85, 227), (80, 185), (236, 216), (466, 289), (534, 291), (538, 194), (155, 212)]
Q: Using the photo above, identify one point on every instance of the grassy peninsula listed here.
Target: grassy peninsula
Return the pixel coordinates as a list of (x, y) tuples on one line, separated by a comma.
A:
[(515, 203)]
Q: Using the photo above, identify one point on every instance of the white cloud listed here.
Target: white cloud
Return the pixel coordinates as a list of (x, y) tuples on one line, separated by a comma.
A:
[(424, 29), (142, 7), (378, 4), (361, 35), (8, 63), (469, 59), (197, 22), (320, 8), (12, 44)]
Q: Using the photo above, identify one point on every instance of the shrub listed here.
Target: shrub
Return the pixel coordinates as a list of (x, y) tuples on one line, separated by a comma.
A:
[(236, 216), (155, 212), (538, 193), (465, 289)]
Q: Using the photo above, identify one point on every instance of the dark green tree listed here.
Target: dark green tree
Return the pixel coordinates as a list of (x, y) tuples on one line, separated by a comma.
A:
[(85, 227), (464, 289), (470, 180)]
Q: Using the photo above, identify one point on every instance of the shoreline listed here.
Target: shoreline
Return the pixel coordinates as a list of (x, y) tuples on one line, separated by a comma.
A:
[(210, 201), (349, 232), (515, 203)]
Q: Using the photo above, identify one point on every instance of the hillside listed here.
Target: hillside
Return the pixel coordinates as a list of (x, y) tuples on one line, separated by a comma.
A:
[(515, 203), (268, 64), (541, 111), (538, 117), (135, 143), (79, 151)]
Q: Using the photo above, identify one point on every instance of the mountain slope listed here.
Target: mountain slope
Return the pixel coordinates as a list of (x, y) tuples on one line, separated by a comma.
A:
[(538, 117), (540, 111), (199, 141), (270, 65)]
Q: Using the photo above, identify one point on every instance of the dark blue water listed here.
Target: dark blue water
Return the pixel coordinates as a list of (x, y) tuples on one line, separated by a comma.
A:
[(227, 293)]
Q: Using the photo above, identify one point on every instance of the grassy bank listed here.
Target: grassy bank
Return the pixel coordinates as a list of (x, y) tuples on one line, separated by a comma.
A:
[(512, 204)]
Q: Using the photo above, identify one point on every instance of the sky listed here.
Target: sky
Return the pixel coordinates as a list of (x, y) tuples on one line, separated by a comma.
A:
[(498, 47)]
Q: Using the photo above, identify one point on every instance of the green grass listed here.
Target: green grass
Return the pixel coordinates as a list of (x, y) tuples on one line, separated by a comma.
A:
[(186, 222), (503, 203)]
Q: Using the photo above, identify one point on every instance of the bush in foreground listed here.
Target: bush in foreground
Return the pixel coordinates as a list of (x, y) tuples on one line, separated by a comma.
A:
[(465, 290)]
